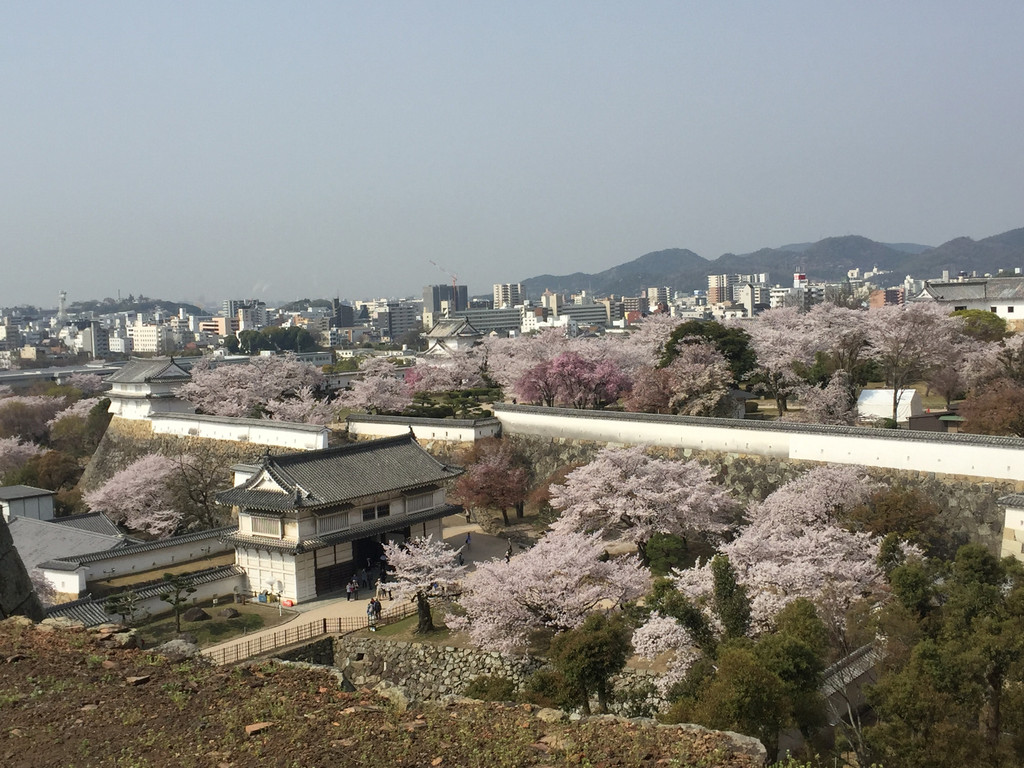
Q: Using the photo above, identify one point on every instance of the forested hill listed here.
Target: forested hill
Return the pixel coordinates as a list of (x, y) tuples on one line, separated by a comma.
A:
[(132, 304), (827, 259)]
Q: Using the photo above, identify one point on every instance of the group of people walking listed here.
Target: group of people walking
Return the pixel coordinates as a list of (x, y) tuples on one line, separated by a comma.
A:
[(373, 611)]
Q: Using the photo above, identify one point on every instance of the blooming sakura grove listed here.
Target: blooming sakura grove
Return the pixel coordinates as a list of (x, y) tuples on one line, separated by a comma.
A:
[(140, 496), (553, 586), (627, 494), (794, 546)]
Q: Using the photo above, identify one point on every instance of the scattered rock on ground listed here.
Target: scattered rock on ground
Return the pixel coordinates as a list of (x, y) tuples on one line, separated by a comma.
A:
[(195, 614)]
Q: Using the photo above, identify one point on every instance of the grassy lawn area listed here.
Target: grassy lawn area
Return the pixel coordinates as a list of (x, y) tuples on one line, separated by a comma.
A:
[(253, 617), (405, 630)]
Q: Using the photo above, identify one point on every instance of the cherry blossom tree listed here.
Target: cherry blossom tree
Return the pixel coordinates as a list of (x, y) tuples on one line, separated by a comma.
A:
[(245, 390), (794, 546), (508, 359), (15, 453), (498, 478), (140, 496), (460, 370), (26, 416), (831, 404), (43, 588), (661, 636), (380, 389), (652, 334), (908, 340), (78, 409), (695, 383), (624, 492), (841, 333), (87, 383), (570, 379), (423, 568), (303, 408), (781, 340), (551, 586)]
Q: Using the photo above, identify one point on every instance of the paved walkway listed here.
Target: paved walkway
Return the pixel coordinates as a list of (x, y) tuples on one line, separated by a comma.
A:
[(481, 548)]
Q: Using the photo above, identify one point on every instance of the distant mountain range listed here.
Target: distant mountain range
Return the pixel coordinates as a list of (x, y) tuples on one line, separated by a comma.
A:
[(826, 260)]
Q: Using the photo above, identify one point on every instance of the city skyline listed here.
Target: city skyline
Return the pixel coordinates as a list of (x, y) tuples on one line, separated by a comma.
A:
[(192, 152)]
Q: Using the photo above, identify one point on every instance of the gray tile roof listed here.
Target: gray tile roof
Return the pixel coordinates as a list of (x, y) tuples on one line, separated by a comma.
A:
[(94, 522), (12, 492), (450, 327), (955, 291), (87, 610), (335, 475), (992, 289), (360, 531), (154, 369), (41, 541), (1015, 500)]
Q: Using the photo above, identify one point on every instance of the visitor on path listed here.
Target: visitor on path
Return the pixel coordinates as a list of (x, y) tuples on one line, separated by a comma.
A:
[(376, 608), (380, 589), (371, 616), (467, 538), (508, 552), (352, 589)]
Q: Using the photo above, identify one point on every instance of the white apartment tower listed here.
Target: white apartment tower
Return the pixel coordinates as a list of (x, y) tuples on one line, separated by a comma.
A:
[(508, 295)]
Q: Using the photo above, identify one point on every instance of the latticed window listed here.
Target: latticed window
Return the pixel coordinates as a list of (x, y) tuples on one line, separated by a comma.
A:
[(266, 526), (332, 523), (419, 503)]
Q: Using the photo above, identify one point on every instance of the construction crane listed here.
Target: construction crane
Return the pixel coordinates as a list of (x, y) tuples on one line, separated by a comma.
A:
[(455, 279)]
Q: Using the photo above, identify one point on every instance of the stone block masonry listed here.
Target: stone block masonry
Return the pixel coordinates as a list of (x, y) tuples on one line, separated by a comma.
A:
[(425, 670)]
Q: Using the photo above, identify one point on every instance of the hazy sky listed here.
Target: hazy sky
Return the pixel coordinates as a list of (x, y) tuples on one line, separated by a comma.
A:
[(198, 150)]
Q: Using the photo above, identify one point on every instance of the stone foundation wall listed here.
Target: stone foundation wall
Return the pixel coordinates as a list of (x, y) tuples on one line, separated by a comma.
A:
[(969, 507), (426, 671), (320, 652), (126, 440)]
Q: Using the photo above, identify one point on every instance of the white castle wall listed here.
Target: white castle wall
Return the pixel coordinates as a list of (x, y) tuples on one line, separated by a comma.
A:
[(425, 430), (283, 434), (999, 458)]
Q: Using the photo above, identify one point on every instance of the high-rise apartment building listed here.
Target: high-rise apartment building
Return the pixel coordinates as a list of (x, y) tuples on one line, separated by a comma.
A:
[(456, 296), (508, 295)]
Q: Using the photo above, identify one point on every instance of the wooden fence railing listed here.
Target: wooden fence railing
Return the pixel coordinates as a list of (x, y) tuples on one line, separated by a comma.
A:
[(247, 648)]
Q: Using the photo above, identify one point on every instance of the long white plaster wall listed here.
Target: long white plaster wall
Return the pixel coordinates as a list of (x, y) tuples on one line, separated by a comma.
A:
[(425, 430), (999, 462), (977, 456), (300, 437), (117, 565), (596, 426)]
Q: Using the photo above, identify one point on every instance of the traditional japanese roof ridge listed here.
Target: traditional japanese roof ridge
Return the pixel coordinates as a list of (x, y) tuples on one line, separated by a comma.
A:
[(140, 371), (335, 475), (448, 327), (94, 522)]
